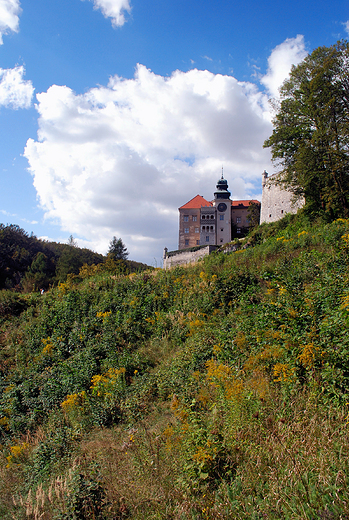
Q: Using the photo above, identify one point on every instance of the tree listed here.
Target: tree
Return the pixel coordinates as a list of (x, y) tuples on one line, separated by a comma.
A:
[(310, 140), (117, 249), (69, 262), (72, 242), (253, 214)]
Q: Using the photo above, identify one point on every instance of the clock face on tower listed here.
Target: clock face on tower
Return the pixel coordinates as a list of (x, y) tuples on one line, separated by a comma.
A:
[(222, 207)]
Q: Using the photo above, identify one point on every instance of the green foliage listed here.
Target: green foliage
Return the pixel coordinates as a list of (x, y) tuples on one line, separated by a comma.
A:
[(31, 264), (238, 365), (117, 249), (253, 214), (11, 304), (310, 137), (86, 500)]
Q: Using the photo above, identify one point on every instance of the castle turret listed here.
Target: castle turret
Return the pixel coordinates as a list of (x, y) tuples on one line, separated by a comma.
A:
[(264, 178)]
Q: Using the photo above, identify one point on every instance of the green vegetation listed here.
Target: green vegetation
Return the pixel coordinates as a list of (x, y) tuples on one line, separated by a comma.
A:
[(213, 391), (117, 249), (30, 264), (311, 131)]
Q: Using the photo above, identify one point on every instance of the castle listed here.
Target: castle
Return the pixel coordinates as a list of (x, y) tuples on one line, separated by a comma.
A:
[(207, 225), (203, 223)]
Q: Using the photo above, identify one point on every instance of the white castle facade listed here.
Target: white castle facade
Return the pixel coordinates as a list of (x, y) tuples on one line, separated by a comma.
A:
[(276, 202)]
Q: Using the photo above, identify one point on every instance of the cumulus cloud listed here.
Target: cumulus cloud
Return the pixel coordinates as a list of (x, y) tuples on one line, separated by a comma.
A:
[(120, 159), (113, 9), (9, 17), (15, 92), (346, 25), (290, 52)]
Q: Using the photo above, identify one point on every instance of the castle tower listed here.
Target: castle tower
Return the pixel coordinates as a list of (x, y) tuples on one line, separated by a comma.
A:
[(222, 203), (215, 221)]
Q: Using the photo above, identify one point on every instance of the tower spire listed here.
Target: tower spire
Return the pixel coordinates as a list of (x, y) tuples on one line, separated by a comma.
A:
[(222, 189)]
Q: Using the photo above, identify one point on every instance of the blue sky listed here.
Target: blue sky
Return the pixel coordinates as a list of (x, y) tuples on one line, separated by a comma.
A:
[(113, 113)]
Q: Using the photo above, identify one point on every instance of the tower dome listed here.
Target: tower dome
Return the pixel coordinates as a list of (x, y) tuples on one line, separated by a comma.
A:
[(222, 189)]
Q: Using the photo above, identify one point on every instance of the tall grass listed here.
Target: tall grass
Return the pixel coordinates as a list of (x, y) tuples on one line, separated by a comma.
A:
[(212, 391)]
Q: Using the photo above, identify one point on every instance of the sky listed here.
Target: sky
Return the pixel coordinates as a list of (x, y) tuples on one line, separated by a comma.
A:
[(114, 113)]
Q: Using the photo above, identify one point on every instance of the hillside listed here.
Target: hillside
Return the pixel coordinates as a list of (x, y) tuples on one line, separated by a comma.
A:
[(212, 391), (30, 264)]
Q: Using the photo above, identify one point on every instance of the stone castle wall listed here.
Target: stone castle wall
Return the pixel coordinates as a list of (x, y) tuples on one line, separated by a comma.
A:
[(276, 202), (176, 258)]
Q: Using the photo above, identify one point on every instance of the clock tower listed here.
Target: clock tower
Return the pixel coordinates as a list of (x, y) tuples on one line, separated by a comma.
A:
[(215, 221), (222, 204)]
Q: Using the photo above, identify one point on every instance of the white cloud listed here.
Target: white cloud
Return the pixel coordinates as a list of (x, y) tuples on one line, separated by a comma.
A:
[(120, 160), (113, 9), (290, 52), (9, 17), (346, 25), (15, 92)]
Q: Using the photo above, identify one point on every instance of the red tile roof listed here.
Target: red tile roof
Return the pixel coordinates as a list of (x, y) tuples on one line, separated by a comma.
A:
[(196, 202), (244, 203), (199, 201)]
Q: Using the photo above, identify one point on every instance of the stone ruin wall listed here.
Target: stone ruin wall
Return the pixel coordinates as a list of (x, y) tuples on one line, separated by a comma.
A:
[(276, 202), (177, 258)]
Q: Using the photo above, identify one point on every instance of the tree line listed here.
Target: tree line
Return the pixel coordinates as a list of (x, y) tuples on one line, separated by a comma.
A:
[(28, 263)]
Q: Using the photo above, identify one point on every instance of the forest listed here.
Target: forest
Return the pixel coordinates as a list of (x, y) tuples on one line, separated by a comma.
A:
[(31, 264)]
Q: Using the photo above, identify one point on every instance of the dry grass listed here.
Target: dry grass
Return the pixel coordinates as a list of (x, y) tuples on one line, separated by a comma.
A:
[(295, 467), (136, 470)]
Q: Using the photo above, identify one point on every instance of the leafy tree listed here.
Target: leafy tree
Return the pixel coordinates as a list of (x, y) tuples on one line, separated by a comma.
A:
[(310, 140), (253, 214), (38, 274), (117, 249)]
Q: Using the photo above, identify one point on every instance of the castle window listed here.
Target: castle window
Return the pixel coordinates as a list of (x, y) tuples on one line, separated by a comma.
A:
[(238, 230), (221, 240), (282, 211), (212, 216), (211, 228), (198, 242), (207, 238), (203, 217), (186, 230), (238, 219), (186, 218), (221, 217), (187, 242), (196, 230), (221, 229), (194, 218)]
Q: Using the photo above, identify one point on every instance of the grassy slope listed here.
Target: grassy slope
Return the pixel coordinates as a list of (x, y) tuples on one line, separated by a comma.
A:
[(212, 391)]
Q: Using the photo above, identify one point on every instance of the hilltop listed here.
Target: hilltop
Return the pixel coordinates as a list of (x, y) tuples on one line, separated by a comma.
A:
[(217, 390), (28, 263)]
